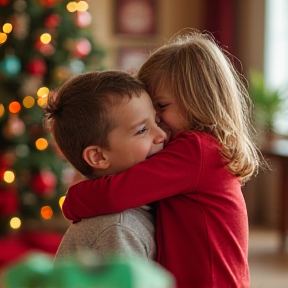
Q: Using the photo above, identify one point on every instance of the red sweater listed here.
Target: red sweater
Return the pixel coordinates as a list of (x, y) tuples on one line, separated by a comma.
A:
[(202, 225)]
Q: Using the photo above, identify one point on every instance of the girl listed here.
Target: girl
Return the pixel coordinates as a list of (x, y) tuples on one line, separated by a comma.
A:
[(202, 226)]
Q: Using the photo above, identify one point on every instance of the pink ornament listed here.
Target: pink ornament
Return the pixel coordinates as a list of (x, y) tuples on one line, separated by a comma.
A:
[(82, 48), (44, 182), (37, 67), (14, 127), (45, 49), (83, 19)]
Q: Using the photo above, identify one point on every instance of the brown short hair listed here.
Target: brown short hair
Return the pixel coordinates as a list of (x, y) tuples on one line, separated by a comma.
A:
[(78, 114)]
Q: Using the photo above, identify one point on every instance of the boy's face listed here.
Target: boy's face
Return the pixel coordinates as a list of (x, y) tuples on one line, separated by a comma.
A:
[(136, 135)]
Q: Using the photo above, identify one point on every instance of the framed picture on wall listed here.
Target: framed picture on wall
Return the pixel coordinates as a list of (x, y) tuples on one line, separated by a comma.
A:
[(131, 58), (135, 17)]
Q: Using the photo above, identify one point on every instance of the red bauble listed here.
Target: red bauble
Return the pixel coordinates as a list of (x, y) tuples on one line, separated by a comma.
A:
[(44, 182), (8, 201), (37, 66), (4, 2), (48, 3), (53, 21)]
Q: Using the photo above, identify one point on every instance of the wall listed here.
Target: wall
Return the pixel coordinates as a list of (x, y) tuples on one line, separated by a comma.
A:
[(171, 16), (250, 34)]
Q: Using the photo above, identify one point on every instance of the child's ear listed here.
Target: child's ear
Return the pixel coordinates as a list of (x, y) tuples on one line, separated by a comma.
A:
[(96, 157)]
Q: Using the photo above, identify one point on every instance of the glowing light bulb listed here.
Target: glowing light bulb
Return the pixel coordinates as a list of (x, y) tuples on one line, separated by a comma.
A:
[(45, 38), (15, 223), (9, 176), (7, 28), (28, 102), (61, 201), (42, 102), (41, 144), (82, 6), (46, 212), (2, 110), (14, 107), (43, 92), (3, 37), (71, 6)]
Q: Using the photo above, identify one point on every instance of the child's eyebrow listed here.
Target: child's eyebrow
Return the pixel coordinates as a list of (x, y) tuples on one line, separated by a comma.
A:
[(137, 124)]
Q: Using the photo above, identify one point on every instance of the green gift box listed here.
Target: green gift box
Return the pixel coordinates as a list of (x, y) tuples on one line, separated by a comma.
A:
[(87, 271)]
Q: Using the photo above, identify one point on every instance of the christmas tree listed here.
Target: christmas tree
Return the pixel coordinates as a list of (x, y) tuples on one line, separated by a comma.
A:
[(42, 44)]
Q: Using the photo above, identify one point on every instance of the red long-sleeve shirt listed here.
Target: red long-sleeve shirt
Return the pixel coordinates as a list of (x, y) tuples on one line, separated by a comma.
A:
[(202, 225)]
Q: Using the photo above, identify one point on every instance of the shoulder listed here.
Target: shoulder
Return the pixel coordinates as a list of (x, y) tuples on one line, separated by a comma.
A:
[(196, 136), (139, 220), (193, 142), (91, 228)]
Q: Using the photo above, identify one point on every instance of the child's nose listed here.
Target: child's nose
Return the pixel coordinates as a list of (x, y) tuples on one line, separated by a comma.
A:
[(160, 135)]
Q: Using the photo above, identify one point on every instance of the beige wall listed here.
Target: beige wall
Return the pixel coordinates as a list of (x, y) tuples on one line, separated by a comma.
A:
[(171, 16), (175, 15), (250, 34)]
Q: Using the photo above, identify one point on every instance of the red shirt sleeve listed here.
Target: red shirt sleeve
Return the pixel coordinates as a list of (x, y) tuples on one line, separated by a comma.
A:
[(174, 170)]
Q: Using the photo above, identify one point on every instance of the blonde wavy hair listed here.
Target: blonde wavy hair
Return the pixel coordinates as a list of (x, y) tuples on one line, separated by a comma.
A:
[(210, 91)]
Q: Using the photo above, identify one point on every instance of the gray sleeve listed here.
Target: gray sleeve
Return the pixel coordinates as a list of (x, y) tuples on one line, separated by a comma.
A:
[(119, 240), (64, 251)]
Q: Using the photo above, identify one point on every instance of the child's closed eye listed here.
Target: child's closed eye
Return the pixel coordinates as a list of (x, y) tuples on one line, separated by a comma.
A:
[(162, 106), (142, 130)]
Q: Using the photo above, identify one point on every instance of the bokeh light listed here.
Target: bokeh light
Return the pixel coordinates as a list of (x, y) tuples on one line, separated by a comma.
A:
[(84, 19), (7, 28), (15, 223), (71, 6), (14, 107), (3, 37), (43, 92), (2, 110), (41, 144), (82, 6), (61, 201), (45, 38), (28, 102), (46, 212), (9, 176)]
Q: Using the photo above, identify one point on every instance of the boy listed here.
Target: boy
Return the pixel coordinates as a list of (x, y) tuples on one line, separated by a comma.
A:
[(104, 123)]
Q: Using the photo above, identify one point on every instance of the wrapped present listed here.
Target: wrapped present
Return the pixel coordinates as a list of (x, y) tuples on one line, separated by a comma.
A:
[(87, 271)]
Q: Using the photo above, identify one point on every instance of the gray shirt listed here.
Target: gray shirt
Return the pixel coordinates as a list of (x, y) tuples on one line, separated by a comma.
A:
[(129, 232)]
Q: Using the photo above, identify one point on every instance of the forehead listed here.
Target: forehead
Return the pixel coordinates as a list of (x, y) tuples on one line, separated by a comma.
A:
[(159, 86), (134, 110)]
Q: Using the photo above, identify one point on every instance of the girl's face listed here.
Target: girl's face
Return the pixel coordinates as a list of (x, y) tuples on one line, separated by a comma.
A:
[(169, 111)]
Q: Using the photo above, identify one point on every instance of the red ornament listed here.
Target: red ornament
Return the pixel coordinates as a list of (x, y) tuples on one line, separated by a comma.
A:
[(37, 67), (8, 201), (53, 21), (44, 182), (4, 2), (48, 3)]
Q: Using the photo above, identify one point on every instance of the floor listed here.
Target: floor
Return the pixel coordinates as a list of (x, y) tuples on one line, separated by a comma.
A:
[(268, 266)]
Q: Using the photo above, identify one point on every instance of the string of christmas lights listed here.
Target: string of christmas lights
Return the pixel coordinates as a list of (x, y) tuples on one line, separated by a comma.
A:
[(41, 46)]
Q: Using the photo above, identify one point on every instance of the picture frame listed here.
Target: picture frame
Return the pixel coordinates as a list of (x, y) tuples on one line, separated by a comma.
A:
[(130, 59), (135, 17)]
